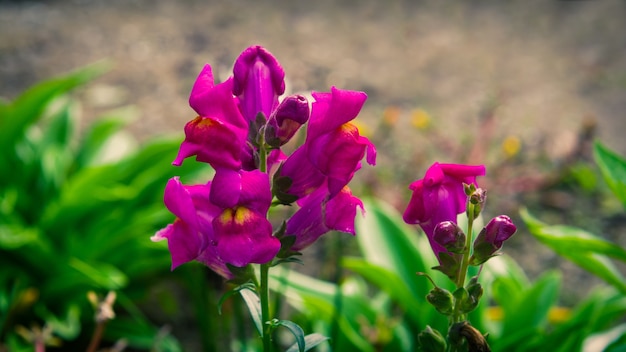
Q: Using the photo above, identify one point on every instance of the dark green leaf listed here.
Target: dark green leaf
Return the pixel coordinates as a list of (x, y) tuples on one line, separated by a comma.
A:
[(613, 168), (254, 306), (310, 341), (297, 332), (586, 250), (232, 292), (101, 274), (99, 133), (28, 107), (385, 240)]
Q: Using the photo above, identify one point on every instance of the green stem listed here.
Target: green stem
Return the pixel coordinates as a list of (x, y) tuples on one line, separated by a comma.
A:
[(265, 309), (468, 242)]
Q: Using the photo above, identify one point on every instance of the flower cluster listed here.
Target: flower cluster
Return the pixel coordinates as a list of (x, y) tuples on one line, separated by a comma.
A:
[(241, 126), (446, 191)]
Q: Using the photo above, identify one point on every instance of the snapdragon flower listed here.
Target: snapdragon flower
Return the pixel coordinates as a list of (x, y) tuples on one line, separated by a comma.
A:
[(439, 197), (333, 148), (240, 127)]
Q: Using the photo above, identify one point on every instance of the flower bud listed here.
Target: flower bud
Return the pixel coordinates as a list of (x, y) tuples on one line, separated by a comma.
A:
[(285, 121), (442, 300), (491, 238), (450, 236), (465, 331), (431, 340), (258, 81)]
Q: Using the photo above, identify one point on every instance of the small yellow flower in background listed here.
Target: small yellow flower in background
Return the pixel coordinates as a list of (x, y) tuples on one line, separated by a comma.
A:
[(391, 115), (420, 119), (511, 146)]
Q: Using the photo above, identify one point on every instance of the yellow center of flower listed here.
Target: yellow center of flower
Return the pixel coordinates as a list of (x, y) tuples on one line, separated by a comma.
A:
[(203, 122), (349, 128), (238, 215)]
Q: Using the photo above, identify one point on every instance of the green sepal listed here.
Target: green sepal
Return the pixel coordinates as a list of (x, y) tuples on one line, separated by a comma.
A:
[(483, 251), (241, 274), (449, 265), (286, 254), (466, 301), (280, 186), (254, 129), (475, 291)]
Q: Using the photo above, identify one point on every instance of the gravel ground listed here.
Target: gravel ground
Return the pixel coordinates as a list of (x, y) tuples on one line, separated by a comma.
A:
[(549, 66)]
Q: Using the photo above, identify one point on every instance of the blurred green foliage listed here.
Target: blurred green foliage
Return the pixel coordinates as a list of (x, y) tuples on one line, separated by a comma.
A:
[(77, 209)]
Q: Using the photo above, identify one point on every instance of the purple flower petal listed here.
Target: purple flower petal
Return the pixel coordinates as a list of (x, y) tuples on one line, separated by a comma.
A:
[(212, 141), (192, 231), (440, 197), (319, 214), (244, 237), (226, 188), (341, 211), (305, 176), (331, 110), (258, 81)]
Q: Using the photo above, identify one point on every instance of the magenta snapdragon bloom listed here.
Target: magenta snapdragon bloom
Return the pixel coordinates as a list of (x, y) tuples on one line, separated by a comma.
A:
[(191, 236), (439, 197), (241, 125), (333, 149), (208, 231), (319, 214), (220, 135)]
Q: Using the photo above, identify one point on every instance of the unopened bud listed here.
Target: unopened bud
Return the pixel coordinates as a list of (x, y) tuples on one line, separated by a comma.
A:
[(450, 236), (442, 300), (431, 340), (491, 238), (285, 121)]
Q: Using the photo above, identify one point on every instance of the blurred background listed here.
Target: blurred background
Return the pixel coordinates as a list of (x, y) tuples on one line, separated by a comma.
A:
[(522, 86)]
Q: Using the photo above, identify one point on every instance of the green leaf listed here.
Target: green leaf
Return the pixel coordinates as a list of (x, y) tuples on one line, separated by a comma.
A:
[(526, 316), (310, 341), (586, 250), (14, 236), (100, 133), (613, 168), (595, 313), (101, 274), (232, 292), (319, 298), (297, 332), (386, 241), (254, 306), (386, 280), (28, 107)]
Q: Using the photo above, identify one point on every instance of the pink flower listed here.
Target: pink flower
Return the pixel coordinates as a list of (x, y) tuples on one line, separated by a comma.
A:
[(219, 225), (333, 149), (440, 197)]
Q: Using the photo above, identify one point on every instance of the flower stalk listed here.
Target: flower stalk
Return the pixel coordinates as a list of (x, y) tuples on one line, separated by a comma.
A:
[(265, 307)]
